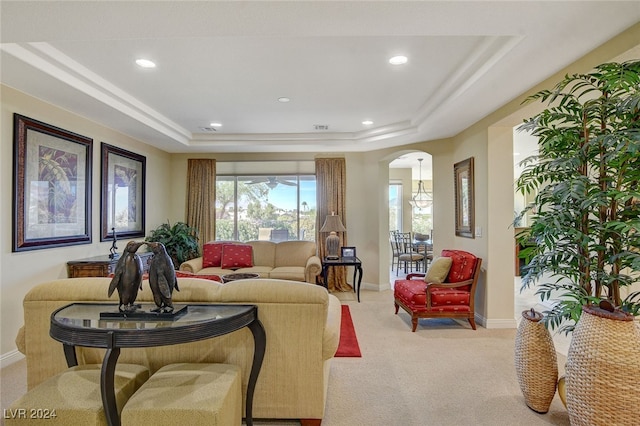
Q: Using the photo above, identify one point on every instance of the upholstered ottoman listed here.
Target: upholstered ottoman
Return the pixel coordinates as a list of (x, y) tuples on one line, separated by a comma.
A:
[(73, 397), (189, 394)]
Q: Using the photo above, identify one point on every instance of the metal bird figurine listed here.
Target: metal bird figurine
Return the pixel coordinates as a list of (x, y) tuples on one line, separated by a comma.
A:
[(162, 278), (127, 277)]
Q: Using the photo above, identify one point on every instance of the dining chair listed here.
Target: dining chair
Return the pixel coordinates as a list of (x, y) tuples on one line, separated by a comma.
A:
[(395, 250), (408, 255)]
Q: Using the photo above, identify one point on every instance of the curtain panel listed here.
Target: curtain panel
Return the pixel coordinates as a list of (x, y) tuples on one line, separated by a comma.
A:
[(331, 180), (201, 198)]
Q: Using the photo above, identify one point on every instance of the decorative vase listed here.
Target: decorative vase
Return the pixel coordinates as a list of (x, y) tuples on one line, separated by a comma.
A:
[(536, 362), (603, 366)]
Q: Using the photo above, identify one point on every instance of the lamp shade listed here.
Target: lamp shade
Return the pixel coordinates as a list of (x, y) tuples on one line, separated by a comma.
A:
[(332, 223)]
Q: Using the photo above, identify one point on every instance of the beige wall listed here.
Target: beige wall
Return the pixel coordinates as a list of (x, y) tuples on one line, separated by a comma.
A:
[(19, 272)]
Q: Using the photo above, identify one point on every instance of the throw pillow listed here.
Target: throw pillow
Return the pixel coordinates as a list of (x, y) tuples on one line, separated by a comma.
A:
[(438, 270), (235, 256), (211, 255)]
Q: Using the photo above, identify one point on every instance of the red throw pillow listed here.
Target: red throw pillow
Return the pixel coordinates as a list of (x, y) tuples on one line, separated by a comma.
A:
[(182, 274), (235, 256), (211, 255)]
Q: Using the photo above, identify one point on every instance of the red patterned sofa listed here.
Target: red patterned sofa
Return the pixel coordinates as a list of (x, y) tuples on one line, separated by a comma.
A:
[(454, 298)]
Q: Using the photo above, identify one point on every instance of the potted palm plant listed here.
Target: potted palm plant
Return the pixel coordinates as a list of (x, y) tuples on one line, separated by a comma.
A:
[(585, 216), (179, 239)]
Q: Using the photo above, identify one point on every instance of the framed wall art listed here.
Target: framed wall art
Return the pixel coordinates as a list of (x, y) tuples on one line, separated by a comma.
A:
[(122, 201), (51, 186), (465, 210), (348, 252)]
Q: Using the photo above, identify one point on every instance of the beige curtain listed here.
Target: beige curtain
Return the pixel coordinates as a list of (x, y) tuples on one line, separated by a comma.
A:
[(201, 198), (331, 180)]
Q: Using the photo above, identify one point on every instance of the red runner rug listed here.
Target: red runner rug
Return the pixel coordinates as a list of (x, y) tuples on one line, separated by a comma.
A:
[(348, 346)]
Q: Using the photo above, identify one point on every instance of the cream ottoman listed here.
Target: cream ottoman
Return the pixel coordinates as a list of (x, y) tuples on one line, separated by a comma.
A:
[(189, 394), (73, 397)]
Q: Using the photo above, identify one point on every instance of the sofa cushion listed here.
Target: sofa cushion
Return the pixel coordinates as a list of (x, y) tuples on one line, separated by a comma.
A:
[(264, 253), (412, 293), (236, 256), (292, 273), (211, 254), (294, 253), (438, 270), (450, 299), (462, 266)]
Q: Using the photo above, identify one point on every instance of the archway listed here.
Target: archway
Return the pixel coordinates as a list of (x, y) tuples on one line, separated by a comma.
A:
[(410, 175)]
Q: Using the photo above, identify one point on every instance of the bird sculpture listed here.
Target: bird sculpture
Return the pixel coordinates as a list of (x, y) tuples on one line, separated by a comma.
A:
[(127, 277), (162, 278)]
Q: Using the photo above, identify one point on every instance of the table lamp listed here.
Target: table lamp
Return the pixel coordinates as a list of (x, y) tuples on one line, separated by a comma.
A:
[(333, 224)]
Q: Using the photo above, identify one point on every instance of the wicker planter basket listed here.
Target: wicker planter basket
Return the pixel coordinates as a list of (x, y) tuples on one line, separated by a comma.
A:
[(603, 366), (536, 362)]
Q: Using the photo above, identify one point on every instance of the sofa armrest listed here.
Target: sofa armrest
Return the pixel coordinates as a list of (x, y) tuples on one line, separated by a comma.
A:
[(331, 337), (193, 265), (312, 269), (21, 343)]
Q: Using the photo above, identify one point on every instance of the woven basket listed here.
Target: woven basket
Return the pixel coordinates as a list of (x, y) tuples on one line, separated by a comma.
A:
[(536, 362), (602, 371)]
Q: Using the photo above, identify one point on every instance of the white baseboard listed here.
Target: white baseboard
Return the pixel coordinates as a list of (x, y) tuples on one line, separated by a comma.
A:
[(10, 357), (496, 323)]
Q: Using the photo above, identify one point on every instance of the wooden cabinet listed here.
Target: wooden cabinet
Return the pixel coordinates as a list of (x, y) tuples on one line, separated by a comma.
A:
[(100, 266)]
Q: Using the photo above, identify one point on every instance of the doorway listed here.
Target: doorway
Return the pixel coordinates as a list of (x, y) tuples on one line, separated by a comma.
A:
[(410, 176)]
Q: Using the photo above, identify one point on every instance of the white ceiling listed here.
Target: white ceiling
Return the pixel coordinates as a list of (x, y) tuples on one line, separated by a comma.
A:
[(229, 61)]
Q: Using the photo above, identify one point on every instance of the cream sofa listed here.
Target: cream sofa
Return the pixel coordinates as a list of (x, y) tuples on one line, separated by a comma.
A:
[(286, 260), (301, 321)]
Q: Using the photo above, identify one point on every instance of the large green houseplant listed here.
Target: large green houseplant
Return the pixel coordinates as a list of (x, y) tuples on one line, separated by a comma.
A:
[(179, 239), (585, 178)]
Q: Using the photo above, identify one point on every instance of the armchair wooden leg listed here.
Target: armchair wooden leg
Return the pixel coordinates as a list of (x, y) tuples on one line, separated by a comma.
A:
[(414, 323), (396, 305), (472, 321)]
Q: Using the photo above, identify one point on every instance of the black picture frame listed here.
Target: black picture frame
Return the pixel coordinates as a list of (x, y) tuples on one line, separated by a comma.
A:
[(123, 192), (347, 252), (464, 198), (51, 186)]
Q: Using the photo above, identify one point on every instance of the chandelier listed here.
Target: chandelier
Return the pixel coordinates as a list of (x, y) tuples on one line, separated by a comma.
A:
[(421, 200)]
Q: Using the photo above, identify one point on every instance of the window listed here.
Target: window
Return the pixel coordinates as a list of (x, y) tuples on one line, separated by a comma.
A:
[(395, 206), (275, 208)]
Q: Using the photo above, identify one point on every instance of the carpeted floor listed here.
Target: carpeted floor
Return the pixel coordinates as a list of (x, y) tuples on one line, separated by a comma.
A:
[(443, 374)]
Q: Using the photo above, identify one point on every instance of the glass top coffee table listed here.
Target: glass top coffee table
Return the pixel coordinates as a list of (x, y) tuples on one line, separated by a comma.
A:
[(99, 325), (238, 276)]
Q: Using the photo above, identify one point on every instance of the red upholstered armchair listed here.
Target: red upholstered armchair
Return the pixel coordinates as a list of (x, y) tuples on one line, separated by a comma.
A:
[(454, 298)]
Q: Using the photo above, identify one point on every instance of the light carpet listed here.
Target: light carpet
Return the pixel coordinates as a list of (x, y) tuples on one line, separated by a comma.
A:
[(443, 374)]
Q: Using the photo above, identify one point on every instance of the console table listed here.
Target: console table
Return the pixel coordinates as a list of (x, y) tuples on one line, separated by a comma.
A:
[(344, 261), (81, 324), (101, 266)]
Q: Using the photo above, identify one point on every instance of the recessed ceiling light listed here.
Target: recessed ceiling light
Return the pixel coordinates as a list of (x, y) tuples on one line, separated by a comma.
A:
[(145, 63), (367, 122), (283, 99), (215, 124), (398, 60)]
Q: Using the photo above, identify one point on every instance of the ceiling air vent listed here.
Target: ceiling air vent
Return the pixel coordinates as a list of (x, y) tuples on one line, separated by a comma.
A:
[(321, 126), (208, 129)]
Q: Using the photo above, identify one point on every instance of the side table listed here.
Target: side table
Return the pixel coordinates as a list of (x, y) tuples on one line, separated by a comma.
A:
[(101, 266), (344, 261), (82, 324)]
